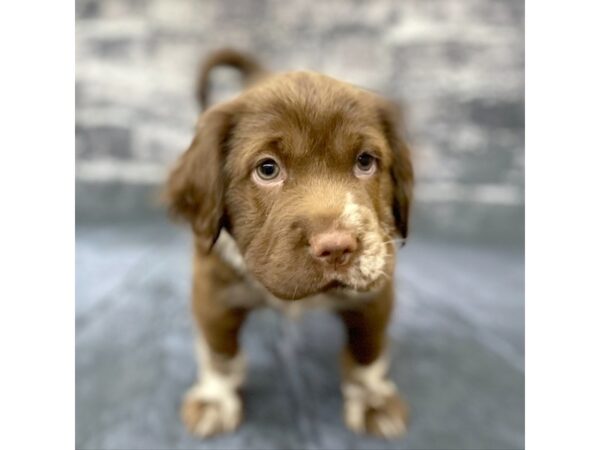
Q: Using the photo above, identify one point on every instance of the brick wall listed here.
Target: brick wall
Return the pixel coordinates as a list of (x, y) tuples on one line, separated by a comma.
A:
[(456, 64)]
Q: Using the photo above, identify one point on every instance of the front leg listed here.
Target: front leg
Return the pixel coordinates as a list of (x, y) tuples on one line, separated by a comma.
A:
[(371, 402), (213, 405)]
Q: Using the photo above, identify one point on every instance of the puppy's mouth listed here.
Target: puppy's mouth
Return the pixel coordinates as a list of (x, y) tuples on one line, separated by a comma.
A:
[(340, 286), (335, 285)]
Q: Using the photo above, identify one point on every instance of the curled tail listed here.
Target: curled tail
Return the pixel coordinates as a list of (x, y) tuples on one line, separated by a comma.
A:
[(249, 67)]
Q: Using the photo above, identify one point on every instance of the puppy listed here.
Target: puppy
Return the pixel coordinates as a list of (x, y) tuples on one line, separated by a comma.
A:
[(297, 191)]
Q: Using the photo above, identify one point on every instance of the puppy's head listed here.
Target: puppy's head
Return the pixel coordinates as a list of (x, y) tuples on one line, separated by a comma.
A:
[(309, 176)]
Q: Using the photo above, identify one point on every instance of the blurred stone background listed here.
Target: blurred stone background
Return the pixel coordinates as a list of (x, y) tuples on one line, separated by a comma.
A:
[(457, 65), (457, 335)]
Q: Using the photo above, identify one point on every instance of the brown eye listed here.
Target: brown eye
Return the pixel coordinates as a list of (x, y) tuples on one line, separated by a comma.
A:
[(365, 165), (267, 169)]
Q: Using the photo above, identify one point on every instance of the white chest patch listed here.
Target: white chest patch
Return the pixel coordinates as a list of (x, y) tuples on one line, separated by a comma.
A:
[(227, 249)]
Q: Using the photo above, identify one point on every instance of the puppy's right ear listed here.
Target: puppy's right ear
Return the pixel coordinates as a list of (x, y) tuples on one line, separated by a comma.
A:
[(195, 188)]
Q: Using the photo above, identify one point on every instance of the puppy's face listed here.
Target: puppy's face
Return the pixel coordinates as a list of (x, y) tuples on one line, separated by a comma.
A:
[(310, 178)]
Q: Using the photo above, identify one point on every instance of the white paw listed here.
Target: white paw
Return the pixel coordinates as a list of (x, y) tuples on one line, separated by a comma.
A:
[(371, 403), (382, 417), (209, 415), (387, 420)]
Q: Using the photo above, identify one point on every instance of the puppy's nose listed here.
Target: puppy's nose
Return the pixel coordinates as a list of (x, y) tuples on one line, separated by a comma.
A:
[(333, 247)]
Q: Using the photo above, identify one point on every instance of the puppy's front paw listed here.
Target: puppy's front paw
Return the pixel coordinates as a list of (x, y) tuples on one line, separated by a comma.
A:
[(207, 416), (383, 417), (372, 404)]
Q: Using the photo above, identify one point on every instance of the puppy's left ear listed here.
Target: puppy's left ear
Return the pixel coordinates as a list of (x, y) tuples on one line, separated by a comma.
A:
[(390, 118)]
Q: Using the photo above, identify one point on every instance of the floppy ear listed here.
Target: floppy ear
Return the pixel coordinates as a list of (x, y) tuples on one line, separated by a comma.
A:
[(402, 169), (195, 188)]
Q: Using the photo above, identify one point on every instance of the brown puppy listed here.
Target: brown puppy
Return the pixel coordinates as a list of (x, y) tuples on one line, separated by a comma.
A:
[(297, 191)]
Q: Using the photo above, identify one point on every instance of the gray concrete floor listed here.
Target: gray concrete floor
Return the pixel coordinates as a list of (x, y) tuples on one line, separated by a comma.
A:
[(457, 346)]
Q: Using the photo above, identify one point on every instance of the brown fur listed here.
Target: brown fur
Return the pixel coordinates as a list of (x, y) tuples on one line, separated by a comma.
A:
[(315, 126)]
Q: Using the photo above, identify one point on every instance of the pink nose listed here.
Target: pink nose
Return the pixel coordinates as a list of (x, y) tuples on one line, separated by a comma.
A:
[(333, 247)]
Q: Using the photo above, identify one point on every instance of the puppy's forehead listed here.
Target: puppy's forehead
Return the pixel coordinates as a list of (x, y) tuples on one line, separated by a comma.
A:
[(306, 105)]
